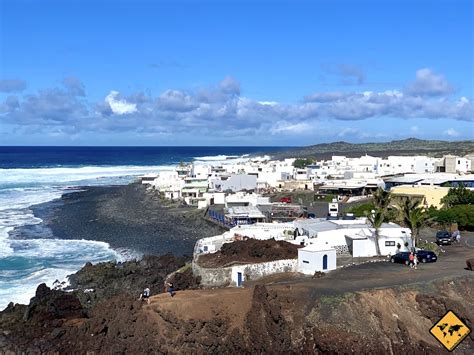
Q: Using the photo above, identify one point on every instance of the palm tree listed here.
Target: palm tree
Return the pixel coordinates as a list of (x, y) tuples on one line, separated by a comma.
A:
[(379, 214), (376, 218), (414, 216), (381, 198)]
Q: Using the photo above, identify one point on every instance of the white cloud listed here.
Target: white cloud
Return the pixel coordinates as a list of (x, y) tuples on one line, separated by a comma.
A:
[(347, 131), (452, 132), (230, 86), (428, 83), (268, 103), (286, 127), (12, 85), (218, 109), (119, 106), (463, 102)]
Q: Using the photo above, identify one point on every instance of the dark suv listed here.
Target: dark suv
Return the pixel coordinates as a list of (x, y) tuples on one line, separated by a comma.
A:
[(443, 238)]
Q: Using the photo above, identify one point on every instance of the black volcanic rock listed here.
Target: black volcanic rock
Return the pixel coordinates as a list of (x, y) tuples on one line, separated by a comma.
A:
[(94, 283), (50, 304)]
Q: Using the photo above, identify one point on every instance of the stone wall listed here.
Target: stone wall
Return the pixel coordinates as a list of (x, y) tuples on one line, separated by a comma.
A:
[(212, 276), (259, 270), (228, 275)]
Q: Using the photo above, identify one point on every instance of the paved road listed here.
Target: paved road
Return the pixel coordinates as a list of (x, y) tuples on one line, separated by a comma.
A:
[(451, 264)]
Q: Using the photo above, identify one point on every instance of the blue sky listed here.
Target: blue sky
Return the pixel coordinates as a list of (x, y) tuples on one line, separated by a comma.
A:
[(234, 72)]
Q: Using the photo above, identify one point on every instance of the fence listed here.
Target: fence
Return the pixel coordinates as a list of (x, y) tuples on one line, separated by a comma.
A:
[(225, 221)]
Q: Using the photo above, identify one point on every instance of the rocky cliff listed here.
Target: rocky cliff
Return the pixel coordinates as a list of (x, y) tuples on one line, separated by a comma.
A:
[(260, 319)]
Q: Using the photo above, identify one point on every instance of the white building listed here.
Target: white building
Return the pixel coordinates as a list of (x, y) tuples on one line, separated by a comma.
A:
[(245, 199), (354, 237), (455, 164), (316, 258), (300, 174), (193, 190), (234, 182)]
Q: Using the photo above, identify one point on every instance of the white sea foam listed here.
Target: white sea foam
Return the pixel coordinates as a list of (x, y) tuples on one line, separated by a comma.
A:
[(217, 157), (5, 248), (97, 175), (25, 263), (227, 159)]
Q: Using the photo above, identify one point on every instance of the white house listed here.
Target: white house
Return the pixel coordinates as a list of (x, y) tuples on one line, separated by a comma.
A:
[(355, 237), (234, 182), (245, 199), (169, 184), (316, 257)]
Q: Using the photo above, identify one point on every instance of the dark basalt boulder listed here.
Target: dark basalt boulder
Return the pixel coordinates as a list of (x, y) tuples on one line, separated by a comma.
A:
[(48, 305)]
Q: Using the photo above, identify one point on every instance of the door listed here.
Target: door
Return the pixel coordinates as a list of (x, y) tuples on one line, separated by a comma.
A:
[(325, 262), (239, 279)]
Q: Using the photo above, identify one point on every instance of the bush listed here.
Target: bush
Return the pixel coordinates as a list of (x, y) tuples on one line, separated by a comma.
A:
[(361, 210), (458, 196), (463, 215), (329, 198), (431, 247), (302, 163)]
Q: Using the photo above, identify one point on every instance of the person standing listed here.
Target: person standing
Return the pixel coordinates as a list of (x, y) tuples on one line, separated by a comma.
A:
[(458, 237), (415, 261), (171, 289), (411, 260), (145, 295)]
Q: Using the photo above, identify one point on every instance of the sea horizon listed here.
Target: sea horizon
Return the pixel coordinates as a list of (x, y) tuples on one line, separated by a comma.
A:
[(33, 176)]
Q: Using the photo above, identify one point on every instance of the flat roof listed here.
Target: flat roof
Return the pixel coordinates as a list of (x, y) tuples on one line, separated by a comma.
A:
[(404, 179), (244, 211), (322, 225), (438, 181), (316, 247)]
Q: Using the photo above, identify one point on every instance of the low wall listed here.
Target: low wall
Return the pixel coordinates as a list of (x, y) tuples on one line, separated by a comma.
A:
[(212, 276), (228, 275), (259, 270)]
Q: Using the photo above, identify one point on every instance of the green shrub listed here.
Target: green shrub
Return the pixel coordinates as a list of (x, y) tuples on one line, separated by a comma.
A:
[(431, 247), (458, 196), (329, 198), (361, 210), (463, 215), (302, 163)]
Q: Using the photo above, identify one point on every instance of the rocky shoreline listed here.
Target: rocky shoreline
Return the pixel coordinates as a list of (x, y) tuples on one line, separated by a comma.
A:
[(134, 222), (127, 217)]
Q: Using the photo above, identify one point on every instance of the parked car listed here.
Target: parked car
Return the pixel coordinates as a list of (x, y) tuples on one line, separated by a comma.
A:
[(443, 238), (401, 257), (426, 256), (423, 256)]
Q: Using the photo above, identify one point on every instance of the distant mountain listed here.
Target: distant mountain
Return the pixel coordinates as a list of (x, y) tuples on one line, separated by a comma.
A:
[(410, 146)]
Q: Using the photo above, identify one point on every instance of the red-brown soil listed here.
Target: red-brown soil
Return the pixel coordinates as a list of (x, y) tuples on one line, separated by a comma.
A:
[(261, 319), (249, 251), (377, 308)]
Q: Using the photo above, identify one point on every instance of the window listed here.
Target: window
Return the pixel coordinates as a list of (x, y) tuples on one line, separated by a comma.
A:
[(305, 261), (390, 244)]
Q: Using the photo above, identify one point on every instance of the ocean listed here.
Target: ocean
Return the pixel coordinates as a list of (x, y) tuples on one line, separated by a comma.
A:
[(36, 175)]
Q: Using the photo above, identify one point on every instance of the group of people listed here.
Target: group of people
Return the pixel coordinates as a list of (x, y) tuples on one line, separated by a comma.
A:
[(413, 261), (456, 236), (145, 295)]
